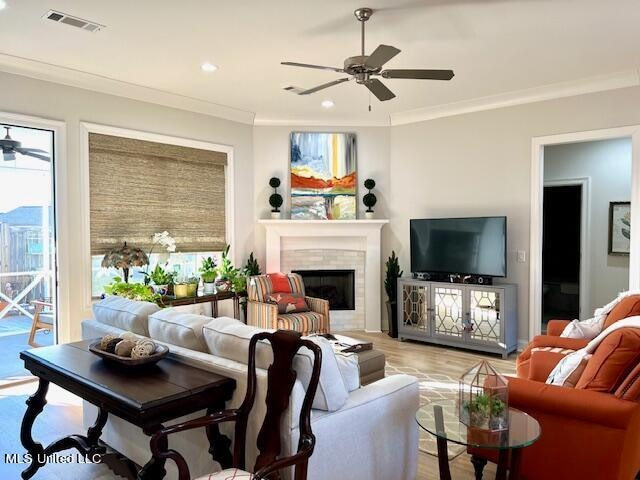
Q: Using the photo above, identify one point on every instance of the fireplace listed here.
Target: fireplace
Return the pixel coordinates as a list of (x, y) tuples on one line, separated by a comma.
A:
[(337, 286)]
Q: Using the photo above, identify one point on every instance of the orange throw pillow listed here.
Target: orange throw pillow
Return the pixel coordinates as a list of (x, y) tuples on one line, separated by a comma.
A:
[(279, 283), (628, 307), (288, 302), (612, 361)]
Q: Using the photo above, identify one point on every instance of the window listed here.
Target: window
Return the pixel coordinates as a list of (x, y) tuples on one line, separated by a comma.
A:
[(139, 188)]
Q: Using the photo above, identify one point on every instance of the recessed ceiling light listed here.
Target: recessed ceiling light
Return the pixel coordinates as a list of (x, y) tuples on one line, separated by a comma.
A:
[(3, 4), (206, 66), (327, 104)]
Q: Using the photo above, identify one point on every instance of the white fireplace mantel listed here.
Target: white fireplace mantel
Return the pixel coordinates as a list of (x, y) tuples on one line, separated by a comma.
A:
[(333, 234)]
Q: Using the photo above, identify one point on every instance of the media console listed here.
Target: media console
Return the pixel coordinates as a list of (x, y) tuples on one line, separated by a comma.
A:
[(465, 315)]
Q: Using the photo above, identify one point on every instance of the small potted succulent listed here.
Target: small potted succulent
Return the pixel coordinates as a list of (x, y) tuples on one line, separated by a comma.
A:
[(275, 200), (208, 274), (161, 279), (369, 199), (226, 271)]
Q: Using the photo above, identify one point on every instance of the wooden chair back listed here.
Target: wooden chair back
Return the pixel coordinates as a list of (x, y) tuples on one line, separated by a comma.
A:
[(280, 381)]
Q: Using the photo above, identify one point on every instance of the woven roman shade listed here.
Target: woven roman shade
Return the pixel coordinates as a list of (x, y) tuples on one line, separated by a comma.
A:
[(138, 188)]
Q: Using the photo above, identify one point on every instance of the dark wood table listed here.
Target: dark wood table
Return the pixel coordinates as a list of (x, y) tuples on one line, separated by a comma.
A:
[(146, 398), (213, 298)]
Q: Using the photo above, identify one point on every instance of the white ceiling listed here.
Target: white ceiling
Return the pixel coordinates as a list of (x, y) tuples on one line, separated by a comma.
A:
[(494, 47)]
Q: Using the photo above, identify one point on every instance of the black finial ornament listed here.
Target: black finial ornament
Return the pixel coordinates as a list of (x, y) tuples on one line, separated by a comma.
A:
[(369, 199), (275, 200)]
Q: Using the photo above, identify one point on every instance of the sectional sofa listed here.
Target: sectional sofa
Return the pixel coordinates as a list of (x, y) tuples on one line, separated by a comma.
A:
[(362, 432)]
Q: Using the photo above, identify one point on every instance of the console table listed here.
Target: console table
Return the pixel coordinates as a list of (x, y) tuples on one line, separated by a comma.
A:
[(212, 298), (146, 398), (477, 317)]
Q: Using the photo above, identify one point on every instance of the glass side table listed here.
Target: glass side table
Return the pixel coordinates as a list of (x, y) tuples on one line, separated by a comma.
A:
[(441, 420)]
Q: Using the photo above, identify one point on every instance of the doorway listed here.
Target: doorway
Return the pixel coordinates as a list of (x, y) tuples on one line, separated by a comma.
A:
[(609, 162), (27, 245), (561, 252)]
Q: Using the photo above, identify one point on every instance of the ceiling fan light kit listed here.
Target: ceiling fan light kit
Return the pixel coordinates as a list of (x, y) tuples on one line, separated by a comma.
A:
[(362, 68)]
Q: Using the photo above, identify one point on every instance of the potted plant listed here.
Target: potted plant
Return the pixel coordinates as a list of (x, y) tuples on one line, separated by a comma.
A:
[(133, 291), (161, 279), (192, 285), (369, 199), (181, 288), (208, 274), (275, 200), (390, 286), (485, 412), (225, 272)]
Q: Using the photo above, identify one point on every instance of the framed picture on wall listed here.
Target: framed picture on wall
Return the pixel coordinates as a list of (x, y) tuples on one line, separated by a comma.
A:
[(619, 228), (323, 176)]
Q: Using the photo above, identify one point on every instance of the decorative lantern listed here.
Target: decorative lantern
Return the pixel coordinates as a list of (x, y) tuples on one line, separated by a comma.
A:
[(125, 257), (483, 398)]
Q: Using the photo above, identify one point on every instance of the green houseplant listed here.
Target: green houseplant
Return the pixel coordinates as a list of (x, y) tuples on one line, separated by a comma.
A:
[(225, 272), (133, 291), (160, 278), (208, 274), (390, 286)]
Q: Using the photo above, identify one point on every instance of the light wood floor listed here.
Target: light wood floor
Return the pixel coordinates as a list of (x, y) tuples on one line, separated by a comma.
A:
[(434, 359), (63, 414)]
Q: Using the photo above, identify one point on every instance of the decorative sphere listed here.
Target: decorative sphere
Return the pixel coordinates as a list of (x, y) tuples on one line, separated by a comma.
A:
[(369, 200), (369, 183), (275, 200), (274, 182)]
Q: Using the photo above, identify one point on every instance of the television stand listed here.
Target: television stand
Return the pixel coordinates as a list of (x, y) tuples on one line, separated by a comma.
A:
[(465, 315)]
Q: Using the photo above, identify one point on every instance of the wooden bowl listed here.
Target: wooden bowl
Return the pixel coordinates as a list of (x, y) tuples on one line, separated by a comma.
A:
[(159, 354)]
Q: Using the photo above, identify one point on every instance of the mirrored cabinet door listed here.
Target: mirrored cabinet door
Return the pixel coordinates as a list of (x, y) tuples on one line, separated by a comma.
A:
[(448, 312), (485, 315), (415, 307)]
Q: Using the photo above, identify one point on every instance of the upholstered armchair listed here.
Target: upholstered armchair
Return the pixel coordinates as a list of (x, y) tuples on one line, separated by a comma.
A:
[(590, 428), (267, 305)]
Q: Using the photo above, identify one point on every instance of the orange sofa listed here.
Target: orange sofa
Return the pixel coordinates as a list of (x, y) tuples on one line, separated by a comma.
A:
[(591, 431)]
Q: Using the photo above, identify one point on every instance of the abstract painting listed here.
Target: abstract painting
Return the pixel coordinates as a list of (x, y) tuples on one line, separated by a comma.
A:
[(323, 176), (619, 228)]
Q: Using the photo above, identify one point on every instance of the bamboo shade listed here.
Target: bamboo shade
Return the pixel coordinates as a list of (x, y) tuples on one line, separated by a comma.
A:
[(138, 188)]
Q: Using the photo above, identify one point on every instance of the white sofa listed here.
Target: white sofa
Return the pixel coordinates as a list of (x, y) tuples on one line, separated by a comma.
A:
[(362, 433)]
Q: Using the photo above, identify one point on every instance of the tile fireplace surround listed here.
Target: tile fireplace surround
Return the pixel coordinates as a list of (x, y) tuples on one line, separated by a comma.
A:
[(333, 244)]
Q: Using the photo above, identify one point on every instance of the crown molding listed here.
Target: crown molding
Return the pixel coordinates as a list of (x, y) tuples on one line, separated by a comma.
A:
[(600, 83), (317, 122), (88, 81)]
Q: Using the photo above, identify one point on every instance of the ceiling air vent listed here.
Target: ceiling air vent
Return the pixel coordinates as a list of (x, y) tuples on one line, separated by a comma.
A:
[(73, 21)]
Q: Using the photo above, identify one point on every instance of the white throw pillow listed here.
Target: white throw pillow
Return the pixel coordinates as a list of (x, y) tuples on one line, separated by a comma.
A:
[(130, 315), (195, 308), (349, 369), (229, 338), (173, 326)]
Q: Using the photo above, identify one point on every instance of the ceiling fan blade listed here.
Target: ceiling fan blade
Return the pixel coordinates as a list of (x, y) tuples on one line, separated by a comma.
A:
[(379, 89), (324, 85), (8, 156), (37, 155), (34, 152), (308, 65), (25, 150), (294, 89), (381, 55), (419, 74)]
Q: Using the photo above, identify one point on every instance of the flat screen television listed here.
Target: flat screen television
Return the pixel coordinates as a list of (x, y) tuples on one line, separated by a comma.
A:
[(465, 246)]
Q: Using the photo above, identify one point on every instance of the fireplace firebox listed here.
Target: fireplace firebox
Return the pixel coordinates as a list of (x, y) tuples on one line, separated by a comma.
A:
[(337, 286)]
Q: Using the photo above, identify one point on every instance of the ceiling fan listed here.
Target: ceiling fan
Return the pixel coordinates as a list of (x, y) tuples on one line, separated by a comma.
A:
[(362, 68), (10, 147)]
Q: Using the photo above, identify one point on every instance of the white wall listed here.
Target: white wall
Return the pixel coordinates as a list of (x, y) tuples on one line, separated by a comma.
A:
[(607, 163), (479, 164), (73, 105)]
